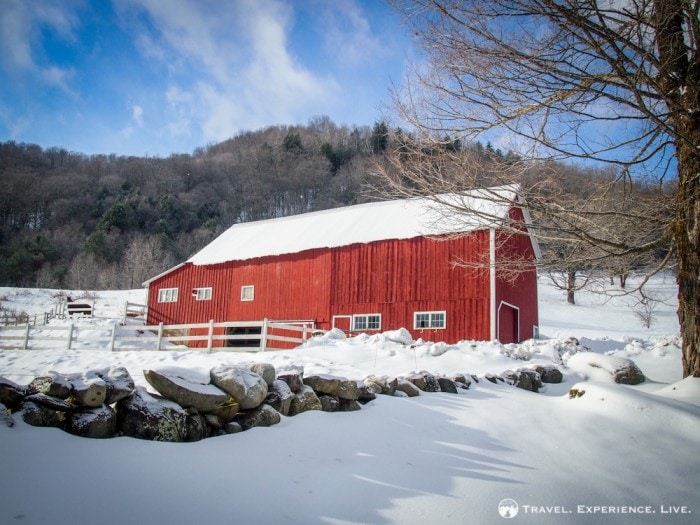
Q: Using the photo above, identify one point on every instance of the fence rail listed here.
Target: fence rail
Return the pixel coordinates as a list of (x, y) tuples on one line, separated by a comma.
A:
[(117, 337)]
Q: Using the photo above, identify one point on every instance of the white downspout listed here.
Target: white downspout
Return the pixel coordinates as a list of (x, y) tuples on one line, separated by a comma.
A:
[(492, 281)]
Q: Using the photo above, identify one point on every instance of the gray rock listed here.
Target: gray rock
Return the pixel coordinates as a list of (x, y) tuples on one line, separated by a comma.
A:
[(247, 388), (232, 427), (264, 370), (41, 416), (463, 381), (120, 384), (628, 374), (349, 405), (144, 416), (89, 391), (366, 393), (382, 385), (99, 422), (524, 378), (431, 383), (293, 380), (195, 427), (214, 422), (50, 402), (280, 397), (334, 386), (447, 385), (549, 373), (52, 384), (418, 380), (6, 417), (202, 397), (11, 394), (329, 403), (262, 416), (304, 400), (407, 388)]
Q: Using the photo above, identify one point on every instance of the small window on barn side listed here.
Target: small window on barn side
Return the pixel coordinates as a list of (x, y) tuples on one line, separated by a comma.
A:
[(422, 320), (167, 295), (202, 294), (367, 322), (247, 293)]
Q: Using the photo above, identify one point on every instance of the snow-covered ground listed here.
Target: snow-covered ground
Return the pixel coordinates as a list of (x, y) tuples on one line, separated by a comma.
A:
[(617, 454)]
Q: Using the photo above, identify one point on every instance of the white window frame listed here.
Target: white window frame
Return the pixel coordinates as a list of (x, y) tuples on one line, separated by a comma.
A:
[(432, 317), (167, 295), (248, 292), (202, 294), (364, 319)]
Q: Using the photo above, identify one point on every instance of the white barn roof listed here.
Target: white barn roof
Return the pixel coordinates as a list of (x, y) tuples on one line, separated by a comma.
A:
[(362, 223)]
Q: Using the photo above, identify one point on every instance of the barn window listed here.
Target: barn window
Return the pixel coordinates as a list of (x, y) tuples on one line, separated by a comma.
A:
[(247, 293), (167, 295), (429, 320), (367, 322), (202, 294)]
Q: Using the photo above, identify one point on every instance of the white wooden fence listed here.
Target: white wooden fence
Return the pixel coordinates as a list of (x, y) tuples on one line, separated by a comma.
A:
[(117, 337)]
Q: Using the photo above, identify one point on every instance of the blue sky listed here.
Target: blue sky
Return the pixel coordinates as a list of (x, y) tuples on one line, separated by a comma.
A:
[(155, 77)]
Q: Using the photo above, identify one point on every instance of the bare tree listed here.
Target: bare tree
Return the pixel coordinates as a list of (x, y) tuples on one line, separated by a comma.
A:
[(612, 82)]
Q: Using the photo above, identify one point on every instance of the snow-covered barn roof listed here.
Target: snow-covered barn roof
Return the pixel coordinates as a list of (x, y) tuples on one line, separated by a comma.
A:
[(362, 223)]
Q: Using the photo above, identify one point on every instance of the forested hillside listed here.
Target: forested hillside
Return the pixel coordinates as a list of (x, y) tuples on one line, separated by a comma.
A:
[(108, 222)]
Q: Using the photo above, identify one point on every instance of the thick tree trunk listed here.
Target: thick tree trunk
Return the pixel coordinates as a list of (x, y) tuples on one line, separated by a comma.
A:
[(688, 247), (679, 80)]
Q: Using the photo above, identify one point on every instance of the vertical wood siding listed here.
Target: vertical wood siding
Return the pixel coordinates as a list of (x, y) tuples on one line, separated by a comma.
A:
[(394, 278)]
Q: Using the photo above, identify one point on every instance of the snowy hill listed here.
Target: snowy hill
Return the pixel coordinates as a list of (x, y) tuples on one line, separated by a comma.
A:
[(617, 454)]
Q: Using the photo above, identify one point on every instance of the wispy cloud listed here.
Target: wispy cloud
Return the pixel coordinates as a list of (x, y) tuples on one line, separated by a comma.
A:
[(230, 64), (20, 30)]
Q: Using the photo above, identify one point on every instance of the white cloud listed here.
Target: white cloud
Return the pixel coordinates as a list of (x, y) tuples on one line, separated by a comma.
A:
[(230, 65), (137, 115), (20, 24), (348, 34)]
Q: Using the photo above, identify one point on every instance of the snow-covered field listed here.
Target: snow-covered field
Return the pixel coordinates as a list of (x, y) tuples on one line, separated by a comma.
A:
[(617, 454)]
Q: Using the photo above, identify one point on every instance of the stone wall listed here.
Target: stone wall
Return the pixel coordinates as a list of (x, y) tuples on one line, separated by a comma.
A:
[(106, 403)]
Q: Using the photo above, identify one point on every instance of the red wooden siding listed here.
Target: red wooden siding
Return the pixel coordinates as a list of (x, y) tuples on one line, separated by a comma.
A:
[(515, 289), (394, 278)]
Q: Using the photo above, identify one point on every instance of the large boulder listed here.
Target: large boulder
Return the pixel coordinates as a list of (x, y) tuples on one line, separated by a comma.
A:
[(329, 403), (11, 394), (99, 422), (279, 397), (304, 400), (628, 374), (524, 378), (196, 426), (334, 386), (87, 389), (407, 387), (50, 402), (549, 373), (146, 417), (51, 384), (120, 384), (348, 405), (264, 370), (447, 385), (247, 388), (39, 415), (262, 416), (293, 379), (186, 393), (382, 385)]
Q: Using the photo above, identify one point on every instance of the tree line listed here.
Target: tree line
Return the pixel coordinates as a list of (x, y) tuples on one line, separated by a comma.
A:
[(106, 221)]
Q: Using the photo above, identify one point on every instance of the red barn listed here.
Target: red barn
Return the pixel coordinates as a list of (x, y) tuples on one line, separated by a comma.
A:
[(372, 267)]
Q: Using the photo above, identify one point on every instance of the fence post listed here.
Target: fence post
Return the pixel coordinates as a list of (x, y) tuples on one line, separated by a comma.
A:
[(70, 335), (26, 337), (263, 335), (126, 310), (210, 337), (160, 335), (114, 336)]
